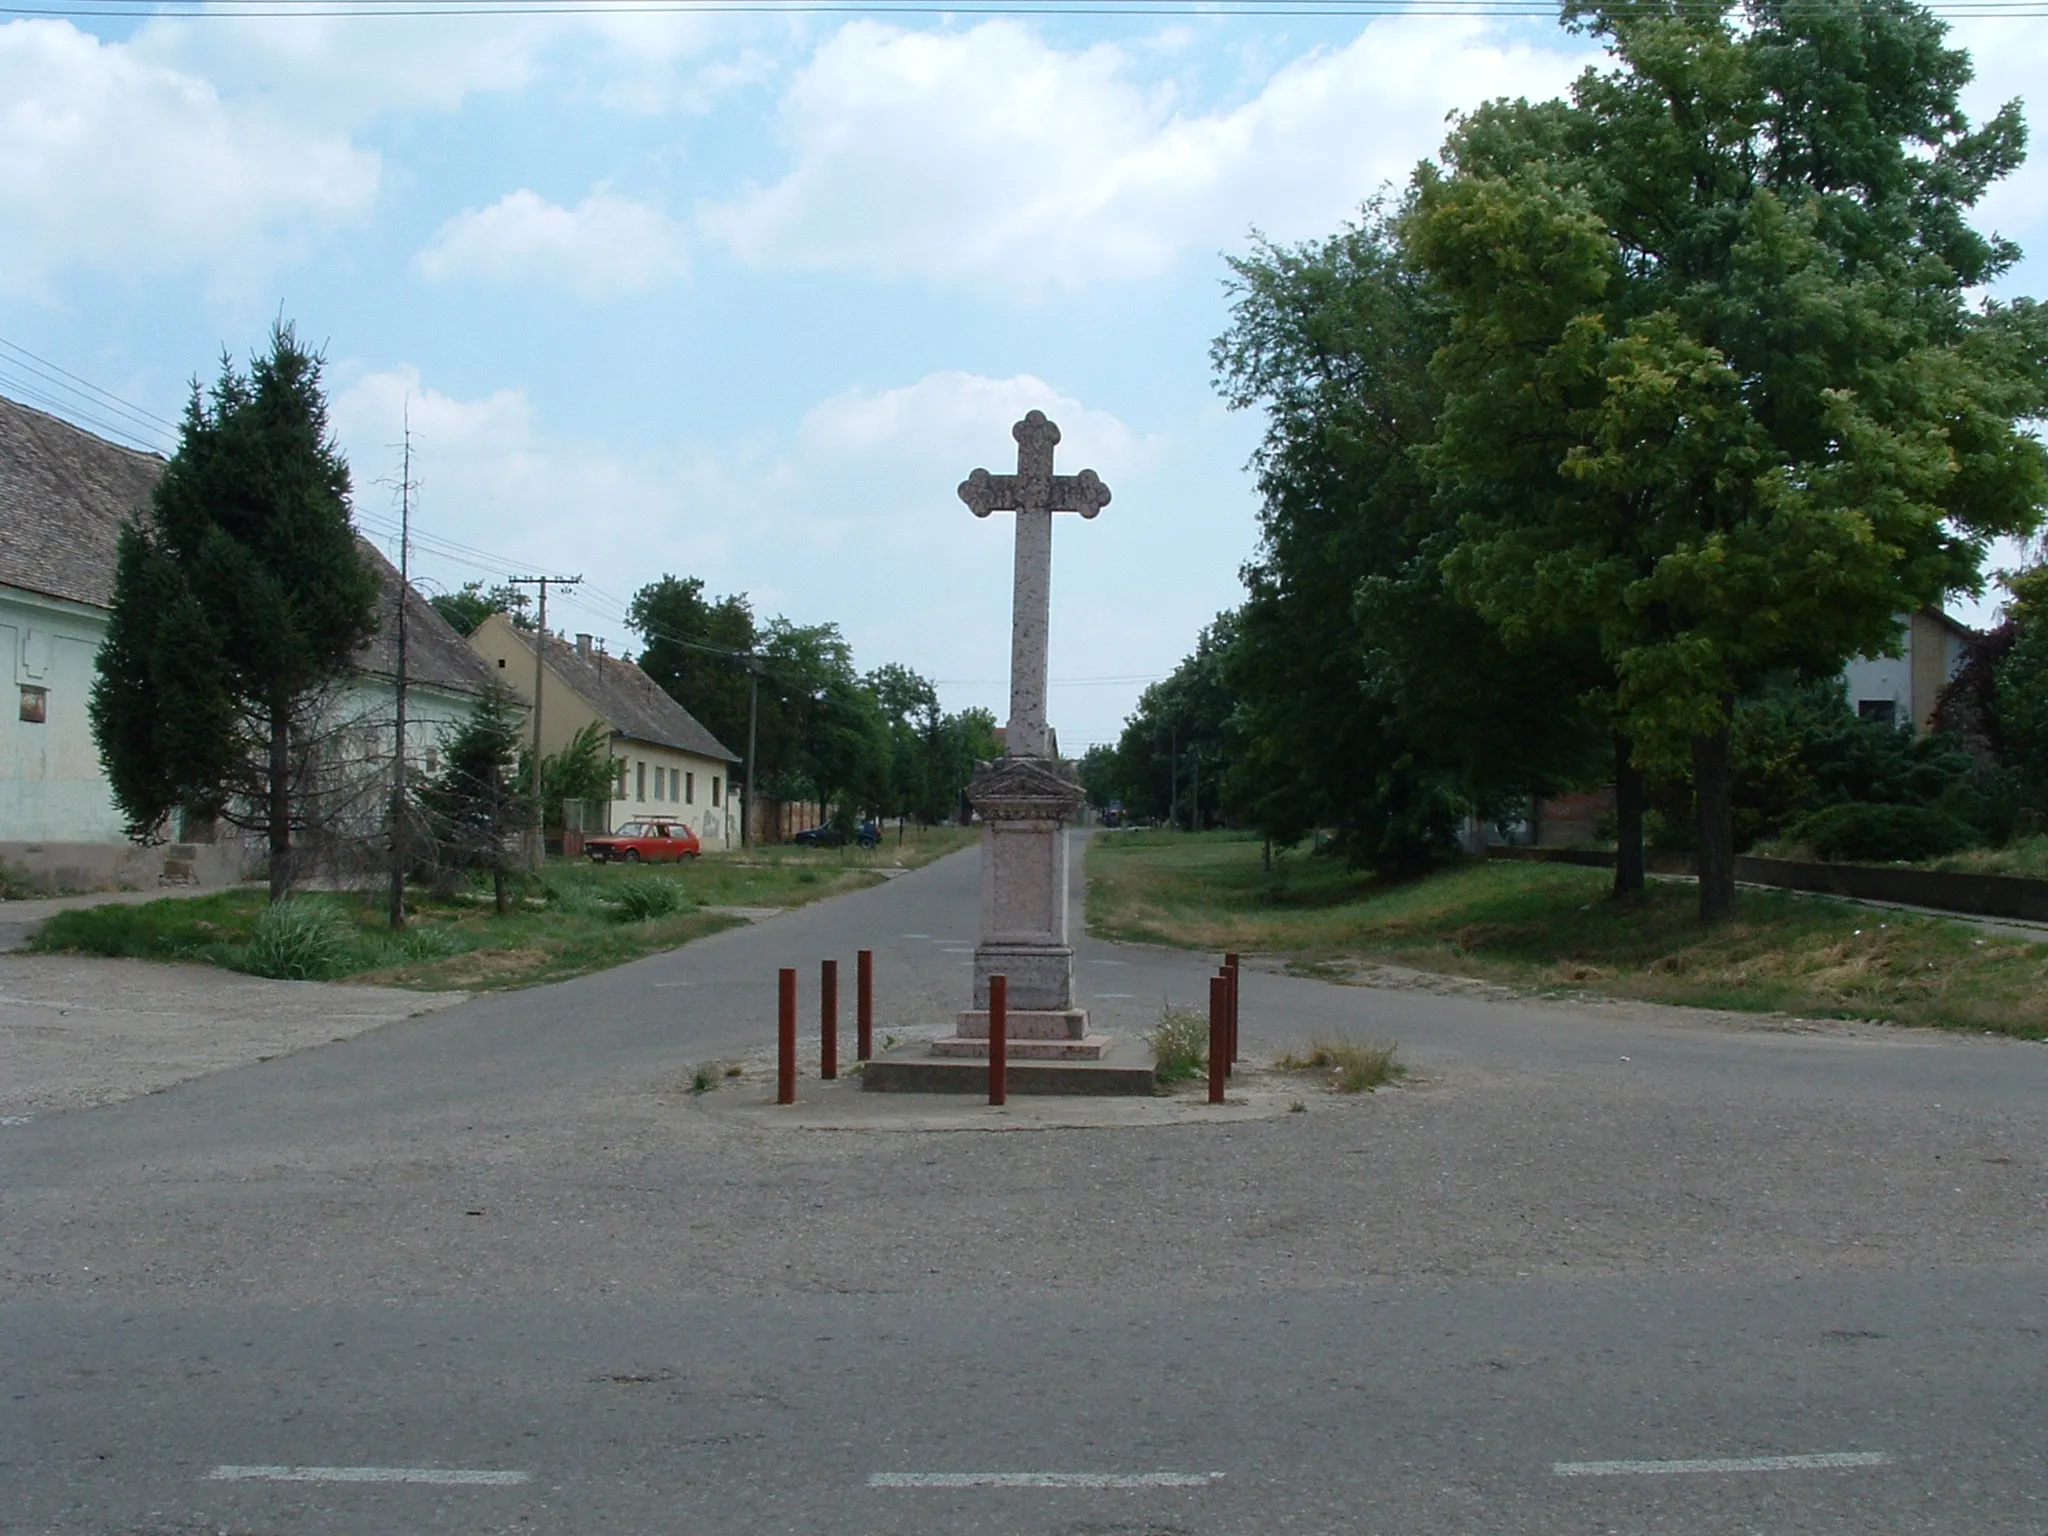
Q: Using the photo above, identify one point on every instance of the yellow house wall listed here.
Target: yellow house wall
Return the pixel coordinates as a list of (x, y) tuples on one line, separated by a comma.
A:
[(563, 713)]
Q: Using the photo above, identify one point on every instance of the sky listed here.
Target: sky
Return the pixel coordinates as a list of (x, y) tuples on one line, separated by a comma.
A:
[(743, 295)]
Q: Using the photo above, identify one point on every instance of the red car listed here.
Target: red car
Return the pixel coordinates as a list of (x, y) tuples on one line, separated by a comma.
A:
[(652, 841)]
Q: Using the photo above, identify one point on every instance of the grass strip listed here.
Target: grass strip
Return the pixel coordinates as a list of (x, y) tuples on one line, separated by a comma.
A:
[(1551, 927), (570, 918)]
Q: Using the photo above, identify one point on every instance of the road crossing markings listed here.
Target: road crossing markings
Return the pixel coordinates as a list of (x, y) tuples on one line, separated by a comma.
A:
[(1043, 1479), (442, 1477), (1827, 1461)]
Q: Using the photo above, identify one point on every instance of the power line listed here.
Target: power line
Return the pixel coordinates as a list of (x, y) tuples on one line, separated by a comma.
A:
[(284, 10)]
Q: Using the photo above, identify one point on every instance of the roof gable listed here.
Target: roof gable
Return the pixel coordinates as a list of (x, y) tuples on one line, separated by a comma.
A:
[(633, 704), (64, 496)]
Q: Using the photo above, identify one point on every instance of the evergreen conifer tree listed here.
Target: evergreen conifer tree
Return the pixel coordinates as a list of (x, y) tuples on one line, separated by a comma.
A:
[(239, 599)]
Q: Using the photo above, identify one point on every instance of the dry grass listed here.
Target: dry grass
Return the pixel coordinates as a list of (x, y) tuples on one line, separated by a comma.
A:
[(1555, 927), (1353, 1066)]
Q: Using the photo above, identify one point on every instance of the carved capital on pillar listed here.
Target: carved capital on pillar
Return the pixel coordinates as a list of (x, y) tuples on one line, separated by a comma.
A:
[(1025, 789)]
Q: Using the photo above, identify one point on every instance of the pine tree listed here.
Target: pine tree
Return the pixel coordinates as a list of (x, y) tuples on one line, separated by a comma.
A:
[(239, 599), (474, 802)]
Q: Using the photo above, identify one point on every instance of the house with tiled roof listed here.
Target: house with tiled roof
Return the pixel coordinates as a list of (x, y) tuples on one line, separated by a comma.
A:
[(64, 495), (665, 764)]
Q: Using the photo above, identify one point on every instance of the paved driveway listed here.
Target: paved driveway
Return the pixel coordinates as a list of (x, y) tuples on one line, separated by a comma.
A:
[(1598, 1269)]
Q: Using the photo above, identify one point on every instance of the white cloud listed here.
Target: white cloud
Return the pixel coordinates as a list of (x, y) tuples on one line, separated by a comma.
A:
[(606, 245), (350, 68), (114, 163), (849, 514), (988, 157)]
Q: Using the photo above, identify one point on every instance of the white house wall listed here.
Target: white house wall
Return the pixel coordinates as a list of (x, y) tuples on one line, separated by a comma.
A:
[(51, 786)]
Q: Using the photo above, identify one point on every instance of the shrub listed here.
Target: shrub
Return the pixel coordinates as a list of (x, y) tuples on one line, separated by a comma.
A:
[(641, 900), (297, 940), (1882, 833), (1180, 1046)]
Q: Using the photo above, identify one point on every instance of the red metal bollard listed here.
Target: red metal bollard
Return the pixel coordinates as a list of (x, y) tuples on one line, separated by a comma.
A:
[(998, 1039), (864, 1005), (1230, 970), (785, 1037), (828, 1020), (1219, 1035)]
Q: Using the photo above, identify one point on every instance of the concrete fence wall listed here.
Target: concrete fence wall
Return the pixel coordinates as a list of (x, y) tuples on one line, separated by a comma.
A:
[(1979, 895)]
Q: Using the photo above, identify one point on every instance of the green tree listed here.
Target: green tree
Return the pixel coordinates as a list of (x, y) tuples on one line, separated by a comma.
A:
[(582, 770), (1369, 701), (239, 599), (475, 804), (1714, 398), (473, 603), (1176, 747), (693, 649)]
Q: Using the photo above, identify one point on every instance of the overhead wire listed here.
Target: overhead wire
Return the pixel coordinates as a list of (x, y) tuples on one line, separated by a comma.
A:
[(1215, 9)]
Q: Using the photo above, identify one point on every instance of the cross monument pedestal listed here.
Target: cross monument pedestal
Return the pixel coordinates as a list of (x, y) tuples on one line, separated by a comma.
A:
[(1026, 799)]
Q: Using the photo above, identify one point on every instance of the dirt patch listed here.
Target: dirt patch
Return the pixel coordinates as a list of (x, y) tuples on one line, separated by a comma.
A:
[(77, 1031)]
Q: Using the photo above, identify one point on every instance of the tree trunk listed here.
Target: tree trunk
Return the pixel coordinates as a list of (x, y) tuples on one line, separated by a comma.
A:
[(1628, 819), (498, 885), (1710, 783), (280, 803)]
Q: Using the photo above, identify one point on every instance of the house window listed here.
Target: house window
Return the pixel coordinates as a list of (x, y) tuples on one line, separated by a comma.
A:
[(640, 781), (619, 779), (433, 759), (714, 789), (1878, 709), (689, 789), (35, 704), (501, 663), (664, 783)]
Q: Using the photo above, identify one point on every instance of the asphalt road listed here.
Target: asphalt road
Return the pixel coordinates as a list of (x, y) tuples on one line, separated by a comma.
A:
[(1599, 1269)]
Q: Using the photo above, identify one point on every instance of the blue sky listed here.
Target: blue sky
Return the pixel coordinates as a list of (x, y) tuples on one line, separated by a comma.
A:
[(744, 296)]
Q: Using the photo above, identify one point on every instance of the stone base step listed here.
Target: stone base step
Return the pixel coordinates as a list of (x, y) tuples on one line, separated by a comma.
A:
[(1026, 1024), (965, 1047), (1125, 1069)]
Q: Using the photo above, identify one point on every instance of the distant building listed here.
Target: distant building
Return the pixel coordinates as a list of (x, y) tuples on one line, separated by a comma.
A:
[(1903, 688), (664, 763)]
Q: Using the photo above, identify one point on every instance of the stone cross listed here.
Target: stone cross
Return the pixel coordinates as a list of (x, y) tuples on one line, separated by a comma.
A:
[(1034, 493)]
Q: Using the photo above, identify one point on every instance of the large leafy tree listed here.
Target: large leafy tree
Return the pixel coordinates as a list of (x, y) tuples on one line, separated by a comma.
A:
[(473, 602), (694, 648), (1715, 400), (239, 599), (1366, 698)]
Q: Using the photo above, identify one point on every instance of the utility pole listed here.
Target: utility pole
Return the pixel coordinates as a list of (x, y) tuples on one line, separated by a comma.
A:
[(753, 723), (398, 798), (1172, 779), (540, 655)]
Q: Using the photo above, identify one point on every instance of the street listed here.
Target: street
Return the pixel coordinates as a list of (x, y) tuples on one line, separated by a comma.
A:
[(1597, 1267)]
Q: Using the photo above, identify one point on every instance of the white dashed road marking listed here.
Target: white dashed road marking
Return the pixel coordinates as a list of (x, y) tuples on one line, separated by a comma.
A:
[(1825, 1462), (1043, 1479), (444, 1477)]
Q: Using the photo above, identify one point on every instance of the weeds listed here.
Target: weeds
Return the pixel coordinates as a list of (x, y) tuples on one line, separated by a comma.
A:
[(703, 1079), (1355, 1066), (298, 940), (643, 900), (1180, 1046)]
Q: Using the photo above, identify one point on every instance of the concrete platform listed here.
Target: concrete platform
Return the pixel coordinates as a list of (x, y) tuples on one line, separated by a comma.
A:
[(1086, 1048), (1125, 1067)]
